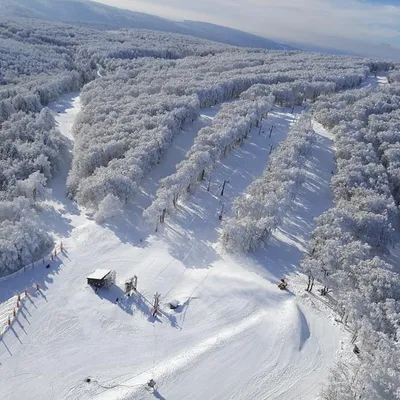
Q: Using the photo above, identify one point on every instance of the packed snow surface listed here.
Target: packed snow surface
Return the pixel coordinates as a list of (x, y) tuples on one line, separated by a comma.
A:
[(235, 335)]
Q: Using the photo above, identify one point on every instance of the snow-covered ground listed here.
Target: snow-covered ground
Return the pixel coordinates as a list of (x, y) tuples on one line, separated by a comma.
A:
[(235, 335)]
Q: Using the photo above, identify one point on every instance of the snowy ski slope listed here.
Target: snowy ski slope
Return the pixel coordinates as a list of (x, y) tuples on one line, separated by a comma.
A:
[(236, 336)]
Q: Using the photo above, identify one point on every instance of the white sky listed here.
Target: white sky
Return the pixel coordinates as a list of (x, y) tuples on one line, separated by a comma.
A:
[(342, 24)]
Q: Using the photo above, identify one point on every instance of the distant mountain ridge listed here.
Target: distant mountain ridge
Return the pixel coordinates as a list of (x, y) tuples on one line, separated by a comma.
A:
[(101, 16)]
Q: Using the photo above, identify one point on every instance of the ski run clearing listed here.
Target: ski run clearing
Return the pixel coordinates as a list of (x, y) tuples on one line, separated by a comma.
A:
[(235, 335)]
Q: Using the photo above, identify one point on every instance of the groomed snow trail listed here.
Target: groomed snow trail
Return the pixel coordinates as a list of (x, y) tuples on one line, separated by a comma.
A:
[(235, 336)]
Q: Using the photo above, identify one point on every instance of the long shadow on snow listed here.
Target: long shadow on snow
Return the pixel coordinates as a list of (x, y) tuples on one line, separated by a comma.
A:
[(39, 274), (158, 396), (190, 233), (286, 248), (55, 221), (309, 203), (58, 183), (131, 227), (194, 228), (188, 244), (64, 102), (136, 301)]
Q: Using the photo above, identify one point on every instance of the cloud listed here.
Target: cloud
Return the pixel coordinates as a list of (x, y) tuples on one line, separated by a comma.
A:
[(342, 24)]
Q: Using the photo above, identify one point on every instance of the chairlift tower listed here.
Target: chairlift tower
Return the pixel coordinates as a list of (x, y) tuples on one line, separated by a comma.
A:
[(156, 304)]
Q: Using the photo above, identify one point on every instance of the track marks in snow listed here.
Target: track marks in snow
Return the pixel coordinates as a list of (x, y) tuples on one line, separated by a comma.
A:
[(281, 331), (167, 369), (172, 156)]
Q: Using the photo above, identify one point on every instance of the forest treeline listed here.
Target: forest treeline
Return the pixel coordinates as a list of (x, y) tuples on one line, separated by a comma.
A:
[(40, 61), (350, 251), (138, 89)]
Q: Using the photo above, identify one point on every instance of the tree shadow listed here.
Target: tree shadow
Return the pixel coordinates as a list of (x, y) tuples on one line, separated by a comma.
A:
[(327, 300), (55, 221), (194, 228), (130, 227), (64, 102), (279, 258), (189, 248), (58, 183), (286, 248), (191, 231), (38, 274)]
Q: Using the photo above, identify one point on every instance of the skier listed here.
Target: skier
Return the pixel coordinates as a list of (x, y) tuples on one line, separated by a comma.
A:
[(151, 383), (283, 284), (117, 300)]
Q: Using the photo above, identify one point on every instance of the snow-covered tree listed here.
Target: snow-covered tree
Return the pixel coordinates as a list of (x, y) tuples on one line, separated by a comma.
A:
[(349, 246), (109, 207), (258, 212), (22, 236), (34, 187), (230, 127)]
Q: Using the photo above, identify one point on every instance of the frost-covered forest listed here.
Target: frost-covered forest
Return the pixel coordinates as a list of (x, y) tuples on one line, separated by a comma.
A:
[(260, 210), (140, 88), (39, 62), (350, 249), (132, 114)]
